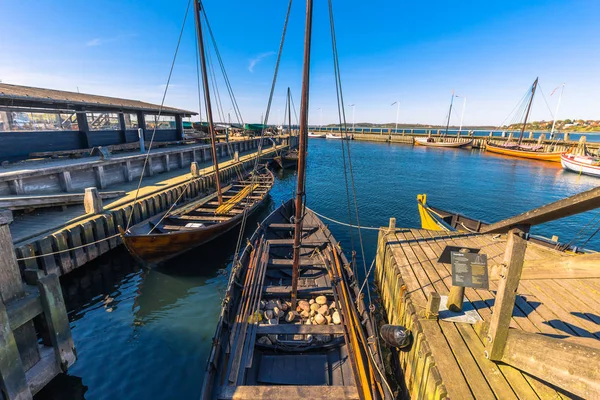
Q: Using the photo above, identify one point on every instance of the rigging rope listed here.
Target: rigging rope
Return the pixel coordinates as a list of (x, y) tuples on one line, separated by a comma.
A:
[(266, 119), (342, 116), (159, 112)]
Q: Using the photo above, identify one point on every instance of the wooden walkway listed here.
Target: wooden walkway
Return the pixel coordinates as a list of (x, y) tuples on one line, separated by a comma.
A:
[(447, 359)]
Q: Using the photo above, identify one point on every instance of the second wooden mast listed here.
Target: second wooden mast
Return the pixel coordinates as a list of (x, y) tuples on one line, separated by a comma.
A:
[(209, 116), (303, 139)]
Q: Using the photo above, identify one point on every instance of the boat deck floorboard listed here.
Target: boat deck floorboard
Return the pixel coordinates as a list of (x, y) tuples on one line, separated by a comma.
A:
[(449, 356)]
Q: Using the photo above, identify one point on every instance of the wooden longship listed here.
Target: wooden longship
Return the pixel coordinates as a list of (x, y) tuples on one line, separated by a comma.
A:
[(523, 152), (287, 160), (169, 234), (431, 142), (264, 349), (520, 150)]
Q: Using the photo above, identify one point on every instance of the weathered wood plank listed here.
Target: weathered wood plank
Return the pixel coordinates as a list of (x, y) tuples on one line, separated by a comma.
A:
[(300, 329), (505, 297), (288, 392), (55, 314), (576, 204), (570, 366)]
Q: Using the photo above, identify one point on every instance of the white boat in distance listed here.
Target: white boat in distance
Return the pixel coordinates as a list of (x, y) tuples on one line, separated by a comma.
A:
[(333, 136), (585, 164), (316, 135)]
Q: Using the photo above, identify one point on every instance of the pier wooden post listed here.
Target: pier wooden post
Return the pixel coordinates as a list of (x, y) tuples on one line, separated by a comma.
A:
[(236, 156), (18, 348), (92, 201), (506, 294), (566, 137), (195, 169), (456, 298), (392, 226), (433, 305), (541, 138)]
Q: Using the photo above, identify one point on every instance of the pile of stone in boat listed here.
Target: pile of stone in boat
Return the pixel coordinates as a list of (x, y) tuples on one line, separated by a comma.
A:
[(310, 312)]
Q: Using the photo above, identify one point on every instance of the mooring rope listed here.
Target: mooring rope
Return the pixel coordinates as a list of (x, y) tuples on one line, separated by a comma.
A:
[(160, 109), (371, 228), (70, 249)]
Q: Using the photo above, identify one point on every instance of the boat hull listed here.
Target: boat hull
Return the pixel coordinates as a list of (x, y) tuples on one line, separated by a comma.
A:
[(316, 135), (533, 155), (424, 142), (153, 248), (243, 360), (578, 164)]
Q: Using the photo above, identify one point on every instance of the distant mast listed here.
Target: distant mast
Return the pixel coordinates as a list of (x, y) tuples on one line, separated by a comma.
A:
[(209, 115), (528, 110), (303, 139), (449, 113), (557, 108)]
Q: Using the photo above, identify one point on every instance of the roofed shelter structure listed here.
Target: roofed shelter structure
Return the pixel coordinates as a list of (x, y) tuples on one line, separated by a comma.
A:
[(41, 120)]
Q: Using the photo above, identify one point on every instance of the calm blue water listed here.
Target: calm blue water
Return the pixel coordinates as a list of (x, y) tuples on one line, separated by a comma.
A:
[(146, 333)]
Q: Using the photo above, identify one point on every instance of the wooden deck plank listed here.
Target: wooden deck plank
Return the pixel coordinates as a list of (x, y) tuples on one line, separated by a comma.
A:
[(507, 380), (408, 275), (561, 308), (494, 374)]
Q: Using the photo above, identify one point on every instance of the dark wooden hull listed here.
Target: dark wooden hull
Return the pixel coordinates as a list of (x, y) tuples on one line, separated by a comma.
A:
[(254, 359), (289, 160), (158, 247), (462, 223)]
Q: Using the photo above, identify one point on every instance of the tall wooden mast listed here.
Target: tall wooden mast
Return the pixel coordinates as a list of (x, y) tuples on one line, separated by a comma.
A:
[(528, 109), (449, 114), (303, 139), (289, 101), (209, 116)]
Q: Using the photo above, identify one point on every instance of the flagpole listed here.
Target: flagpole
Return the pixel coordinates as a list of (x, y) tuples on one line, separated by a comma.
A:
[(557, 107)]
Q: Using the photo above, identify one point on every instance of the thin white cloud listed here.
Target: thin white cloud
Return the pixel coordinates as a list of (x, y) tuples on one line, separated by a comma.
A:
[(99, 41), (94, 42), (258, 59)]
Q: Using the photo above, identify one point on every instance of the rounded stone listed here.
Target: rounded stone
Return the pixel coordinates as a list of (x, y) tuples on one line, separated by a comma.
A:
[(336, 318), (321, 300), (323, 310), (320, 320)]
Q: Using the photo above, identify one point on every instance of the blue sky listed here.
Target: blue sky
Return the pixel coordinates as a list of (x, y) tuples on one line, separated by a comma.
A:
[(415, 52)]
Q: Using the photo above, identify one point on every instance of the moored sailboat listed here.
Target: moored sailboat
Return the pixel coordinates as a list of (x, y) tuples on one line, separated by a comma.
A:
[(581, 160), (535, 152), (193, 224), (444, 141), (293, 324)]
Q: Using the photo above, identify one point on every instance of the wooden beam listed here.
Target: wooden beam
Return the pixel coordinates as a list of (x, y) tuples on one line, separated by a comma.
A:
[(55, 314), (300, 329), (505, 296), (287, 392), (50, 200), (576, 204), (569, 366), (581, 266)]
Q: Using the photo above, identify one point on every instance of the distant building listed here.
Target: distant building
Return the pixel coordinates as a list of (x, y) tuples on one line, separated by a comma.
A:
[(36, 120)]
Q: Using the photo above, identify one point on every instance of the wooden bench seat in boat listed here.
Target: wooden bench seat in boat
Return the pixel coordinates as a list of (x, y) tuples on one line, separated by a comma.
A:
[(290, 242), (281, 290), (287, 392), (201, 217), (299, 329), (290, 227), (287, 263)]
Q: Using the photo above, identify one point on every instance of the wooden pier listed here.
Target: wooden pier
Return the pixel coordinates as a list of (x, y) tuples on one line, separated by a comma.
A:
[(407, 136), (533, 334), (95, 232)]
